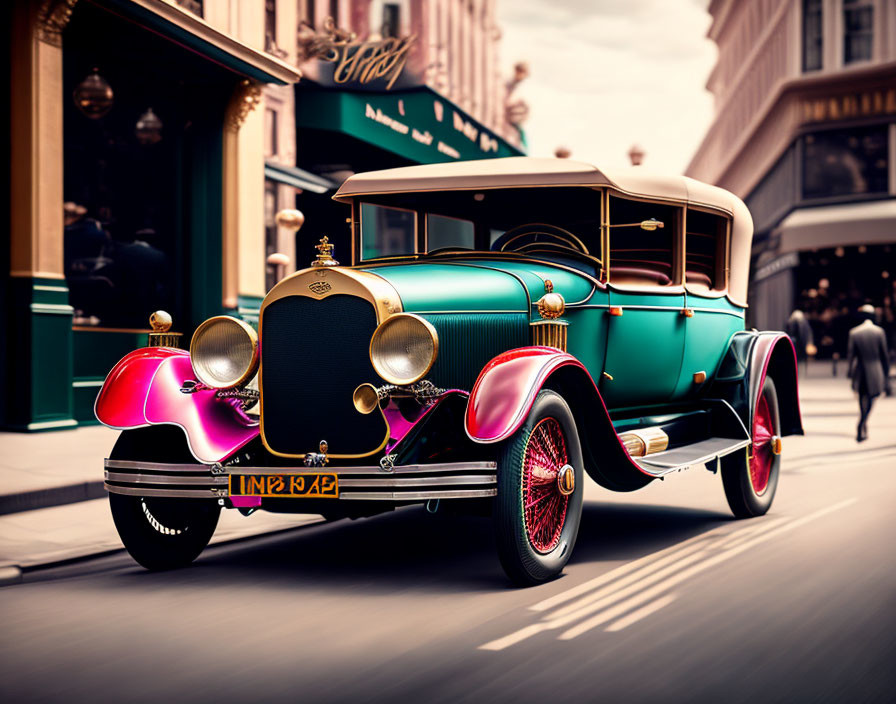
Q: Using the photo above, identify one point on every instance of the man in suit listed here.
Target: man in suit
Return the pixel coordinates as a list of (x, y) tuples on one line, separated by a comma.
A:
[(869, 366)]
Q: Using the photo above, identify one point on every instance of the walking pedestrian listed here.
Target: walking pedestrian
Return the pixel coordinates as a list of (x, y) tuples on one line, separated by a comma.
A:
[(800, 332), (869, 366)]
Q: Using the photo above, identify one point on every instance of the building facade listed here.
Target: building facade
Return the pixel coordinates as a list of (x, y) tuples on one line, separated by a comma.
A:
[(155, 141), (805, 132), (386, 83)]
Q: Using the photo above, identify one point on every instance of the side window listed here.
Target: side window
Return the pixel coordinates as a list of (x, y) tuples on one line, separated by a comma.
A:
[(642, 242), (387, 231), (444, 232), (705, 250)]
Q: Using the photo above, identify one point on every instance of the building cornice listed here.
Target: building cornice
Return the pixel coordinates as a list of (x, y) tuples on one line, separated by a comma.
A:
[(179, 22), (787, 94)]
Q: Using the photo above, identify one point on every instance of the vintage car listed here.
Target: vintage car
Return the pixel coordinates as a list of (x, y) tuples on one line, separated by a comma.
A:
[(504, 327)]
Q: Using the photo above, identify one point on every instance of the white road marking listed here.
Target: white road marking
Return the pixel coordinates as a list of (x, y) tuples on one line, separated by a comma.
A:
[(678, 548), (597, 602), (643, 612), (619, 590)]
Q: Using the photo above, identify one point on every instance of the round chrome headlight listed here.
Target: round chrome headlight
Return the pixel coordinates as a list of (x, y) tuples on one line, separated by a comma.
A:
[(403, 348), (224, 352)]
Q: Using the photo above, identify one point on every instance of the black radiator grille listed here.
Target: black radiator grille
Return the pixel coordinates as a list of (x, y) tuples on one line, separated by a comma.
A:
[(313, 356)]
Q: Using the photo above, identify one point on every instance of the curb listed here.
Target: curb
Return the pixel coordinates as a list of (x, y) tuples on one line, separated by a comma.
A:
[(54, 496), (13, 574)]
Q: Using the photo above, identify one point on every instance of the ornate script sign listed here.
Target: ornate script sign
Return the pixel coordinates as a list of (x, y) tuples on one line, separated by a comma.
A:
[(355, 60)]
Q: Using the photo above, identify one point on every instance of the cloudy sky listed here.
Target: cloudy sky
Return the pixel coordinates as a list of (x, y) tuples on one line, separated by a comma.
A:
[(606, 74)]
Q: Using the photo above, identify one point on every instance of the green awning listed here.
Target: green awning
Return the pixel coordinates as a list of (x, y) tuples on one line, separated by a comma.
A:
[(298, 178), (417, 124)]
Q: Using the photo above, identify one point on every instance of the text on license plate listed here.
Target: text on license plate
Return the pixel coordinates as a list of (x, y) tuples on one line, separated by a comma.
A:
[(309, 486)]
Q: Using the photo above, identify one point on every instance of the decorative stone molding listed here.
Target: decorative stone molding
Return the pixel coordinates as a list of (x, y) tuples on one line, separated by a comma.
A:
[(245, 99), (52, 17)]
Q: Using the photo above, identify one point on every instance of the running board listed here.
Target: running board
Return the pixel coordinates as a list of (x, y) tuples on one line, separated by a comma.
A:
[(702, 452)]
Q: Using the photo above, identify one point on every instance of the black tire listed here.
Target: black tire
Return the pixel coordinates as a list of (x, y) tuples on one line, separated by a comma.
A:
[(522, 561), (743, 497), (161, 533)]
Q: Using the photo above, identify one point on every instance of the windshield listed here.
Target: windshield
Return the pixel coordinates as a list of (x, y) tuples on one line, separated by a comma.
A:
[(540, 221)]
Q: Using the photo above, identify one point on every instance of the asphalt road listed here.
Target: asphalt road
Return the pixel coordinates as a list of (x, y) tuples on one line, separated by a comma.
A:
[(666, 599)]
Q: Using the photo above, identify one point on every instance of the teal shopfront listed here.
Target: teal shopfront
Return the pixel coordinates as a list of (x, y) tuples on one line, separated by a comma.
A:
[(340, 132)]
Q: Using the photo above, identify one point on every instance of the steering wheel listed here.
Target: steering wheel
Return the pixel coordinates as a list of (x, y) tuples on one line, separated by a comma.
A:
[(538, 235)]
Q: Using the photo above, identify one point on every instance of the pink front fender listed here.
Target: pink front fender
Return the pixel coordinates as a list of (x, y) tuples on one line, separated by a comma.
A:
[(506, 389), (144, 389)]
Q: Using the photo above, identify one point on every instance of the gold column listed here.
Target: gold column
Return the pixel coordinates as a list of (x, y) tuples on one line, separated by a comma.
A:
[(36, 152), (242, 205)]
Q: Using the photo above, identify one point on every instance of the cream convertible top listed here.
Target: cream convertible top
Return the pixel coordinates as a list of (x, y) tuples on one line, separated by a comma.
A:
[(522, 171)]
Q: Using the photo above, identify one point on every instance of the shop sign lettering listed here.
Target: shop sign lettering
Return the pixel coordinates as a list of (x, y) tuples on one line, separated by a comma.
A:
[(848, 106), (367, 61)]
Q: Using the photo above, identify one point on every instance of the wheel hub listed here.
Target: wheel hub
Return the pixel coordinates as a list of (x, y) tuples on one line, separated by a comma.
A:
[(566, 480)]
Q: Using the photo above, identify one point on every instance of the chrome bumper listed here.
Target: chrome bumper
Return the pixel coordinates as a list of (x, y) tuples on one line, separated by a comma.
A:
[(416, 482)]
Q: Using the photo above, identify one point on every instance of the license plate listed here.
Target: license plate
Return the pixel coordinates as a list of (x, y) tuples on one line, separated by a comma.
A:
[(308, 486)]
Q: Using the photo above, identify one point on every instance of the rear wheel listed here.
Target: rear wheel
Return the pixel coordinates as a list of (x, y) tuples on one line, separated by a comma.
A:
[(539, 502), (750, 477), (161, 533)]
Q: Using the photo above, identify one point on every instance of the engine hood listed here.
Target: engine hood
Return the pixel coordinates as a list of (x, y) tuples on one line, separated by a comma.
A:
[(481, 285)]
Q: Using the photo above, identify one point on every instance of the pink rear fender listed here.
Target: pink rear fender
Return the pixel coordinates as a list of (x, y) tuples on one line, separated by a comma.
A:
[(507, 387), (775, 356), (144, 389)]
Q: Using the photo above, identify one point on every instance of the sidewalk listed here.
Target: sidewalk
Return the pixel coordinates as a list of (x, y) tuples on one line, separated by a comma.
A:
[(55, 507)]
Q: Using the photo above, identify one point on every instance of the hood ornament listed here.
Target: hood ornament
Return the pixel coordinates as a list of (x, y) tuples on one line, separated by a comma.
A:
[(324, 253)]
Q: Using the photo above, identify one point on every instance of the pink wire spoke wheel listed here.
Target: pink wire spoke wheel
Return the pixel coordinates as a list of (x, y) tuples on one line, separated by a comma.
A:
[(539, 502), (750, 477), (544, 500)]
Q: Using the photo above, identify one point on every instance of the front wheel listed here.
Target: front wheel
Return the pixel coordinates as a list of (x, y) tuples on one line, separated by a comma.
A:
[(540, 488), (161, 533), (750, 477)]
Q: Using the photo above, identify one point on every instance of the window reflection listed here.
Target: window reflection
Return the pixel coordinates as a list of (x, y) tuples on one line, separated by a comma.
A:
[(845, 162), (442, 232), (387, 231)]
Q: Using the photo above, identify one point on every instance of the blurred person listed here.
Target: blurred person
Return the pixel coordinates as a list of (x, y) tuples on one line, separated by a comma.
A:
[(869, 366), (85, 240), (799, 331)]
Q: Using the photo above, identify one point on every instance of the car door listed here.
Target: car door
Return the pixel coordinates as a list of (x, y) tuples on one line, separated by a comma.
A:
[(712, 318), (645, 320)]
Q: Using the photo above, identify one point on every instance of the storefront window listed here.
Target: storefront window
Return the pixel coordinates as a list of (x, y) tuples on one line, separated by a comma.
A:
[(858, 28), (271, 133), (812, 35), (387, 231), (141, 167), (442, 232), (270, 231), (391, 19), (845, 162)]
